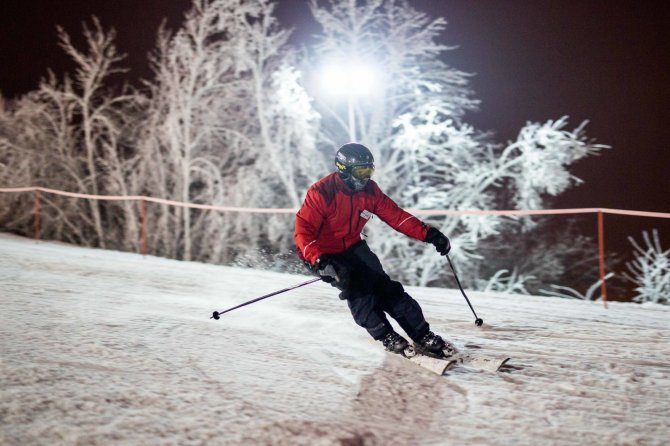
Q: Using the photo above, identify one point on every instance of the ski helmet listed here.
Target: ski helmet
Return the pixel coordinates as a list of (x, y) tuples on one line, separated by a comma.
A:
[(355, 165)]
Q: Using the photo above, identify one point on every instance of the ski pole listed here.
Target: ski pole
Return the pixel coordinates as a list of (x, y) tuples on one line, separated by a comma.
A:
[(216, 314), (478, 321)]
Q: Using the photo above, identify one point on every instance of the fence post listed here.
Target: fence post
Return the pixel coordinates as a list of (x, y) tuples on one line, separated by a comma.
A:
[(601, 255), (143, 228), (37, 214)]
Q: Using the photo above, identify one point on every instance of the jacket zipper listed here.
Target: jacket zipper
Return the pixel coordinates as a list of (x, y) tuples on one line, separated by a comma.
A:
[(351, 218)]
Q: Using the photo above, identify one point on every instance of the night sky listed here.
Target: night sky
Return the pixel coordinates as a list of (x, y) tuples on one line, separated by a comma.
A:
[(602, 60)]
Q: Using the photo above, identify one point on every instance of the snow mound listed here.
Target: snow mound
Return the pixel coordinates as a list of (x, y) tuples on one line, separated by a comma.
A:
[(102, 347)]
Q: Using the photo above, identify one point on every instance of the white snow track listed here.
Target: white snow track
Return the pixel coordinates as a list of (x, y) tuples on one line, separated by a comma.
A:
[(100, 347)]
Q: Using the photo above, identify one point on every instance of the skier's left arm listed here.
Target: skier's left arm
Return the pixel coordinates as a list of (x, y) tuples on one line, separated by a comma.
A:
[(406, 223), (398, 218)]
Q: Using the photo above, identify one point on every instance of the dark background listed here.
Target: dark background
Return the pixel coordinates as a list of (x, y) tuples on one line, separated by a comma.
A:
[(605, 61)]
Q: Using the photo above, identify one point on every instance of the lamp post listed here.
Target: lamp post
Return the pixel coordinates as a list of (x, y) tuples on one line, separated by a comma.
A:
[(352, 117)]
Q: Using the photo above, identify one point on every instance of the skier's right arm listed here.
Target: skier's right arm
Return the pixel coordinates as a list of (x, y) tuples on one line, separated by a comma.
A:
[(308, 222)]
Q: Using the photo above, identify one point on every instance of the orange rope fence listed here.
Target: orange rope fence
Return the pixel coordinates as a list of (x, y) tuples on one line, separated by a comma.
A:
[(143, 217)]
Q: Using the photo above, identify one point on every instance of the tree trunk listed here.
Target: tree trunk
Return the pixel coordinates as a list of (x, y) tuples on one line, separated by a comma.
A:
[(90, 155)]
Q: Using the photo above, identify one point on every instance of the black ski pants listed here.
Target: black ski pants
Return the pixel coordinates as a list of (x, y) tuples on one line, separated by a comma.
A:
[(371, 295)]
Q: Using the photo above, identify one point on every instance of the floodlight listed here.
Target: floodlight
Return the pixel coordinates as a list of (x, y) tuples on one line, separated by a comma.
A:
[(349, 79)]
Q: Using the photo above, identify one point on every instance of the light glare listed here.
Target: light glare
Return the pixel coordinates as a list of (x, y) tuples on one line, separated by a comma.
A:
[(343, 79)]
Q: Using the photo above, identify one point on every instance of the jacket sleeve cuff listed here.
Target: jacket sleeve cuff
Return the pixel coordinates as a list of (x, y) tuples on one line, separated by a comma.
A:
[(311, 252)]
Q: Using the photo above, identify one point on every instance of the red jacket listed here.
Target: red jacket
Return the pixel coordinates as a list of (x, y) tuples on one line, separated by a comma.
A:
[(332, 217)]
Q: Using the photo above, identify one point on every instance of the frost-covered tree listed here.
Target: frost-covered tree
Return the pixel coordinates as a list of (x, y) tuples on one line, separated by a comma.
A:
[(38, 142), (454, 172), (650, 270), (283, 127), (192, 69), (549, 251), (16, 168), (101, 115), (427, 156), (229, 125), (71, 134)]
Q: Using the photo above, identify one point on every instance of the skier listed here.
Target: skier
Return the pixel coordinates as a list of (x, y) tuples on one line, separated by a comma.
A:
[(328, 237)]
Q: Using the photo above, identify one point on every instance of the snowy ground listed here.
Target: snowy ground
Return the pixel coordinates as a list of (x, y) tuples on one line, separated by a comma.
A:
[(101, 347)]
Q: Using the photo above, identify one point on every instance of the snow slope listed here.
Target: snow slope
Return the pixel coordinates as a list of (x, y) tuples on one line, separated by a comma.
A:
[(102, 347)]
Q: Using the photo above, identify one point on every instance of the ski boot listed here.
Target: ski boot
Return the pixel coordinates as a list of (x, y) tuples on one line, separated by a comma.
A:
[(433, 345), (394, 343)]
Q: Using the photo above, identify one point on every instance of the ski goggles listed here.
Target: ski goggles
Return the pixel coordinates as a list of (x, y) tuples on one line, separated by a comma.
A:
[(363, 172)]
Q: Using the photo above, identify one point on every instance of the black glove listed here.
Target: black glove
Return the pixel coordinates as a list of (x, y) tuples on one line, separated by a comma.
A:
[(439, 240), (330, 270)]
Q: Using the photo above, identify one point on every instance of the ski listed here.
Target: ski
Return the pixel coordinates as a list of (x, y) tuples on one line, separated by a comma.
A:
[(485, 363), (454, 359), (435, 365)]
